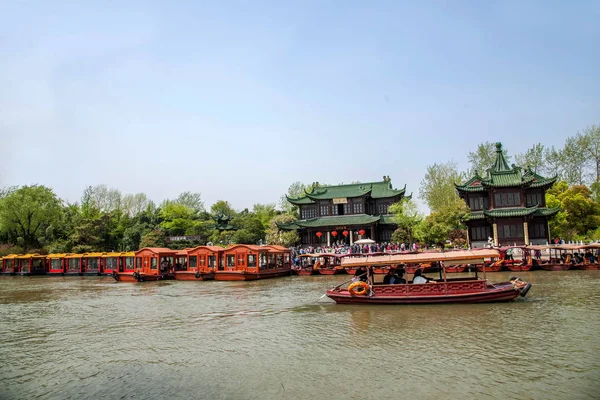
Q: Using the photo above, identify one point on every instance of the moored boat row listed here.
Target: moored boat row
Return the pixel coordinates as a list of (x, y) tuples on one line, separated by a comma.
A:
[(239, 262)]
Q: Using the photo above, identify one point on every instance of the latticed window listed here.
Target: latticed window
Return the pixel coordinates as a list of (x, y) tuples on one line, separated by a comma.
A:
[(382, 208), (510, 199), (537, 230), (358, 208), (510, 231), (481, 232), (324, 210), (533, 199)]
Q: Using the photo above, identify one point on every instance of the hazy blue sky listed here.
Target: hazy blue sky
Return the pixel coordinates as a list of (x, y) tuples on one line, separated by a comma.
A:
[(237, 100)]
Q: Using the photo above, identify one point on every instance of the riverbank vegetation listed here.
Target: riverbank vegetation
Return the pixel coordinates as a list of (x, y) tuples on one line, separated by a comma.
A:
[(34, 219)]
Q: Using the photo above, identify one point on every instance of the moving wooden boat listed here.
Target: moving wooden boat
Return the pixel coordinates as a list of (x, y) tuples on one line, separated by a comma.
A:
[(152, 264), (444, 290), (201, 263), (245, 262)]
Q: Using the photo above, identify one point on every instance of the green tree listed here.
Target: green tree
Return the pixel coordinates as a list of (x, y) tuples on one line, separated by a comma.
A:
[(27, 213), (193, 201), (533, 158), (222, 207), (483, 158), (407, 216), (283, 238), (437, 188), (573, 162), (154, 238), (591, 144), (448, 223), (296, 189), (579, 215), (177, 219)]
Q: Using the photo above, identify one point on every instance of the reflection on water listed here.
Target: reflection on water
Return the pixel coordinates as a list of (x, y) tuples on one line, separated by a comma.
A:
[(92, 337)]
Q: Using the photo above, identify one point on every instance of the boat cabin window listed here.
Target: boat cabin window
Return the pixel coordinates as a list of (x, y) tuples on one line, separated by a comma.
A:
[(56, 263), (24, 265), (263, 260), (212, 261), (138, 262), (231, 260), (279, 259), (129, 262), (251, 260), (111, 263), (74, 264), (193, 261), (154, 263), (286, 258), (92, 264)]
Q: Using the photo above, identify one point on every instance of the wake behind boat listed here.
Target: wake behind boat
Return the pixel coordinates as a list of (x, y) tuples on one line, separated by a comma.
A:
[(443, 290)]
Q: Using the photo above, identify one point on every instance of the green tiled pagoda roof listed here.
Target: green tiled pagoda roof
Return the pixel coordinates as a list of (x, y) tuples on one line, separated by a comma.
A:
[(377, 190), (321, 222), (501, 175), (514, 212), (360, 219), (387, 219)]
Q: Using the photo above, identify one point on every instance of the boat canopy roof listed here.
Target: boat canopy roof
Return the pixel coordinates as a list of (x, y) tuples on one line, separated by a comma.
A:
[(449, 258)]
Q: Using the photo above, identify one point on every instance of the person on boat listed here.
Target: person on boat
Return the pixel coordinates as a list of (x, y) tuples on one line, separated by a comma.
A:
[(589, 255), (361, 274), (420, 278), (387, 279), (398, 279), (509, 255), (164, 265)]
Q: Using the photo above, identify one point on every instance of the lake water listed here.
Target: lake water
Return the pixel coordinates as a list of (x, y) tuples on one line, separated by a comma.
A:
[(89, 338)]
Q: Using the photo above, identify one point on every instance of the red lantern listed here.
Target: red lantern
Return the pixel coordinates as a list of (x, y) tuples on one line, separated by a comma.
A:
[(334, 233), (319, 234), (361, 232), (345, 233)]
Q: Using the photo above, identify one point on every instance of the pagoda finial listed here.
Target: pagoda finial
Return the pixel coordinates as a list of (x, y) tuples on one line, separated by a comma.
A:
[(500, 165)]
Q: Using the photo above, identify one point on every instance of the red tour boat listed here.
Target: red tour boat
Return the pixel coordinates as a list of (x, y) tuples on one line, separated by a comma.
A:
[(444, 290), (152, 264), (201, 262), (245, 262)]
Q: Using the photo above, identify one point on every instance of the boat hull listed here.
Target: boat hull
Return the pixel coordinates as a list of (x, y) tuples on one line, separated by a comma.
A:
[(193, 276), (555, 267), (140, 277), (251, 276), (333, 271), (434, 293), (306, 272), (455, 269), (519, 268)]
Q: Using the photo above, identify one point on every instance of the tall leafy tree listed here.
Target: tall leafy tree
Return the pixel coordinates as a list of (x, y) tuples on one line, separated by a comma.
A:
[(295, 190), (437, 188), (572, 160), (193, 201), (283, 238), (533, 158), (27, 213), (591, 142), (406, 214)]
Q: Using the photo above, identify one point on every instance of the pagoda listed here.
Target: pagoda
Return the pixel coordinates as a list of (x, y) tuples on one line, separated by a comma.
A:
[(507, 205), (223, 222), (345, 213)]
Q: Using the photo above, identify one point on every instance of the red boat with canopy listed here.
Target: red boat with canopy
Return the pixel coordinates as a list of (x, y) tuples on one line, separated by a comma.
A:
[(151, 264), (245, 262), (443, 290), (201, 263)]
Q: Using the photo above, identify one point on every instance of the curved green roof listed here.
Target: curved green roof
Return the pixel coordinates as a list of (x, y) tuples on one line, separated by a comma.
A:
[(514, 212), (377, 190), (501, 175)]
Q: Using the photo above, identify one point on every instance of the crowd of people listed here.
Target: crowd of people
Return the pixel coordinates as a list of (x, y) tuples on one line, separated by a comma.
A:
[(345, 248)]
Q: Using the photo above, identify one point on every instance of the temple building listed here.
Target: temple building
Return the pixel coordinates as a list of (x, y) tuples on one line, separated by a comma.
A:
[(345, 213), (508, 205)]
